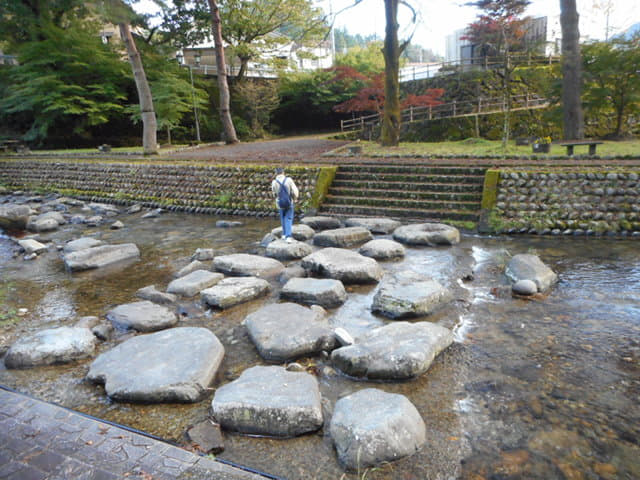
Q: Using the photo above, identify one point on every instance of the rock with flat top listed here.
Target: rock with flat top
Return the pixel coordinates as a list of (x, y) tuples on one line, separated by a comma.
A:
[(154, 295), (281, 250), (32, 246), (430, 234), (102, 256), (194, 282), (342, 237), (247, 265), (326, 292), (299, 232), (81, 244), (344, 265), (382, 249), (14, 217), (526, 266), (192, 267), (143, 316), (320, 222), (232, 291), (374, 225)]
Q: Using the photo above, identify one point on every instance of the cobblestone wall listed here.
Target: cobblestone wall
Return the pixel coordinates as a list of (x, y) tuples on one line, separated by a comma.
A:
[(569, 203), (194, 188)]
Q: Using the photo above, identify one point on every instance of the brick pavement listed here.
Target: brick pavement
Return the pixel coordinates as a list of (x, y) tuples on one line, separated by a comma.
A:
[(42, 441)]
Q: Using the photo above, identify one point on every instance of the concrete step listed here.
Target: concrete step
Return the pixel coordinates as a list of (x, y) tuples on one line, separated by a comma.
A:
[(408, 177), (408, 194), (417, 214), (408, 186), (406, 202), (414, 169)]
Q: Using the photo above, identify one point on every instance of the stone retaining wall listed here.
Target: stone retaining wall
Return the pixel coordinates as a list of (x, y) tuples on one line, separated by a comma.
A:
[(570, 203), (194, 188)]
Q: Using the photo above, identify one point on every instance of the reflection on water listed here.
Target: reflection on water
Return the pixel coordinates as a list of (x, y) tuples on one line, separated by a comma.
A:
[(544, 389)]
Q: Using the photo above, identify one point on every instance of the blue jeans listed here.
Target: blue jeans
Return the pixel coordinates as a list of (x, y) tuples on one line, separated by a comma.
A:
[(286, 220)]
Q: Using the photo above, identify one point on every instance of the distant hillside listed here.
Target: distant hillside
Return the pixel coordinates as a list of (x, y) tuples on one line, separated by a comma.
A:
[(631, 31)]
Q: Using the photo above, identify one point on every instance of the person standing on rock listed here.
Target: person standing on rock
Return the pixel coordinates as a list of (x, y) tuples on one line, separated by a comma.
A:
[(286, 193)]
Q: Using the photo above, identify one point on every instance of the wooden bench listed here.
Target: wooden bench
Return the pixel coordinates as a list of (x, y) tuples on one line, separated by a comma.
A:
[(592, 146)]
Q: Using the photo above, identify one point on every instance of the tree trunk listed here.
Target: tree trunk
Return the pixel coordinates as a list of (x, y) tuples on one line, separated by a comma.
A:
[(573, 120), (390, 135), (149, 124), (225, 110)]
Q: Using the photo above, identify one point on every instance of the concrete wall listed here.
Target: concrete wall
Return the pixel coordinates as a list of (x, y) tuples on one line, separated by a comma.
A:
[(196, 188), (588, 202)]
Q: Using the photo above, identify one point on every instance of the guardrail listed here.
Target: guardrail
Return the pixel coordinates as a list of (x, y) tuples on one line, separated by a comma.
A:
[(480, 106)]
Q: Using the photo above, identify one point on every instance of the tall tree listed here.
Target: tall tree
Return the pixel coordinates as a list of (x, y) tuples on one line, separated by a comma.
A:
[(223, 86), (572, 116), (498, 31)]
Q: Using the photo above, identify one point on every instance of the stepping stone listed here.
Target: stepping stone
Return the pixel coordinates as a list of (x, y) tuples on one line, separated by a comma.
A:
[(301, 233), (370, 427), (374, 225), (81, 244), (343, 265), (33, 246), (192, 267), (232, 291), (154, 295), (51, 346), (526, 266), (228, 224), (269, 401), (321, 222), (175, 365), (326, 292), (14, 217), (194, 282), (430, 234), (102, 256), (246, 265), (396, 351), (342, 237), (409, 294), (143, 316), (286, 331), (282, 250), (382, 249)]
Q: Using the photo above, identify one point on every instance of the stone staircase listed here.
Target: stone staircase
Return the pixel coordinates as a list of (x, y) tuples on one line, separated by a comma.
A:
[(406, 192)]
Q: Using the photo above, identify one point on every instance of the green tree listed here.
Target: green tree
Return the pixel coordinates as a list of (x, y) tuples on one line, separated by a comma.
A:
[(367, 60), (612, 83)]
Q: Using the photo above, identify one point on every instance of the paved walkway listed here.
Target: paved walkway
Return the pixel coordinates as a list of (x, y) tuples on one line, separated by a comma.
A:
[(41, 441)]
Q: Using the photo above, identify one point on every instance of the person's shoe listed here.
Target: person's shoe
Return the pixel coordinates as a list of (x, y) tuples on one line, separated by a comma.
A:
[(288, 240)]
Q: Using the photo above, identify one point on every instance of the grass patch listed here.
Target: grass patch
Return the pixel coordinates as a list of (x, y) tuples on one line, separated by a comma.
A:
[(8, 315), (478, 147)]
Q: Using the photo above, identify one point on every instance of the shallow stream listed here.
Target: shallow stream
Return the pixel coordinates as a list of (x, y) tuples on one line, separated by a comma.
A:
[(544, 388)]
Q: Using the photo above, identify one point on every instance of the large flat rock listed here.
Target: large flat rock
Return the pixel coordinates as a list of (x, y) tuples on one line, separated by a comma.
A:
[(81, 243), (269, 401), (14, 217), (371, 426), (247, 265), (29, 245), (299, 232), (396, 351), (101, 256), (526, 266), (325, 292), (175, 365), (194, 282), (281, 250), (344, 265), (382, 249), (51, 346), (285, 331), (232, 291), (374, 225), (320, 222), (45, 222), (143, 316), (342, 237), (409, 294), (430, 234)]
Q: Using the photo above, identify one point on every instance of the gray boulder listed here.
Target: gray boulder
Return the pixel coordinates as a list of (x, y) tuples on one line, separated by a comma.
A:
[(409, 294), (396, 351), (194, 282), (228, 224), (292, 271), (382, 249), (430, 234), (51, 346), (281, 250), (325, 292), (203, 254), (269, 401), (344, 265), (192, 267), (232, 291), (102, 256), (175, 365), (103, 208), (299, 232), (143, 316), (154, 295), (342, 237), (321, 222), (46, 222), (526, 266), (370, 427), (30, 245), (81, 244), (246, 265), (374, 225), (524, 287), (117, 225), (14, 217), (286, 331)]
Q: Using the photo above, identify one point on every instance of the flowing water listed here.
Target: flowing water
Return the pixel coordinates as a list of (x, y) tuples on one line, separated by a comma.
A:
[(544, 388)]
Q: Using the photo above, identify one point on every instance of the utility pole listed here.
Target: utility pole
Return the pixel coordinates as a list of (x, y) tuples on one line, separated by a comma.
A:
[(197, 59)]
